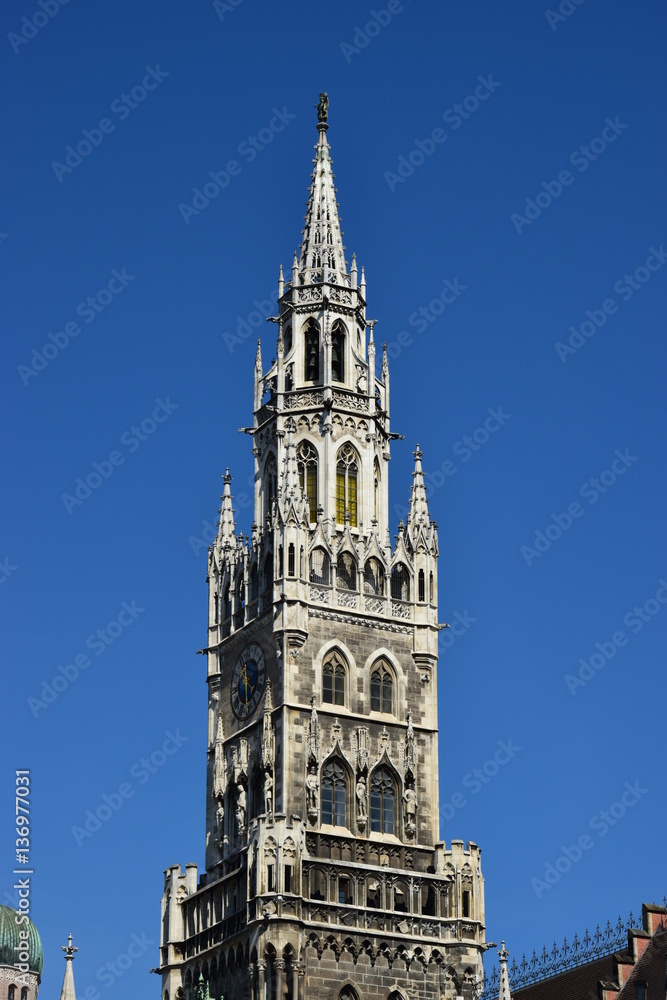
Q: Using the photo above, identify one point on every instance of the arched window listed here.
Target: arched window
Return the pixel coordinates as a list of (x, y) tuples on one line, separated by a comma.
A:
[(401, 897), (318, 884), (254, 583), (431, 596), (374, 578), (346, 572), (334, 794), (373, 893), (268, 573), (306, 457), (270, 481), (291, 560), (240, 592), (338, 352), (333, 680), (24, 993), (400, 583), (383, 801), (287, 340), (428, 900), (421, 586), (376, 490), (11, 993), (382, 689), (226, 604), (320, 567), (347, 469), (312, 350), (347, 993)]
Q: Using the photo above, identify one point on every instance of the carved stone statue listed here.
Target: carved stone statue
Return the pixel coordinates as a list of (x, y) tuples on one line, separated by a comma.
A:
[(240, 806), (322, 107), (311, 791), (220, 820), (410, 800), (362, 814), (268, 793)]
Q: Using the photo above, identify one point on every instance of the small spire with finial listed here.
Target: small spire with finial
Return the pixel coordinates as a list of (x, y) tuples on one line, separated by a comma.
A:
[(68, 992)]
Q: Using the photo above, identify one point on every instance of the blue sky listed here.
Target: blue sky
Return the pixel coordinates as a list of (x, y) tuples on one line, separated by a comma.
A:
[(540, 200)]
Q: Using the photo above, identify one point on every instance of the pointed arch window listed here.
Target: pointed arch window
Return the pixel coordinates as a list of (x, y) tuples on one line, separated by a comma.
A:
[(320, 571), (382, 689), (338, 352), (254, 583), (11, 993), (270, 481), (400, 583), (334, 794), (374, 578), (376, 490), (421, 585), (348, 993), (333, 680), (287, 340), (347, 470), (346, 572), (312, 352), (306, 458), (383, 801)]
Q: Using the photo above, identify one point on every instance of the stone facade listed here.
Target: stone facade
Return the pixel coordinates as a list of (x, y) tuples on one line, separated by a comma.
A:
[(325, 876)]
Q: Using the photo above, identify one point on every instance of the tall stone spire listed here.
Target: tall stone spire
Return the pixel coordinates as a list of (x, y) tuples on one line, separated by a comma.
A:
[(67, 992), (418, 514), (322, 257), (227, 528), (504, 985)]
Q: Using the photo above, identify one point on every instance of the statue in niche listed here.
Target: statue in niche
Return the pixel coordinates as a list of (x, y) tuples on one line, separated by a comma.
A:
[(362, 814), (311, 791), (241, 806), (220, 820), (268, 794), (410, 802)]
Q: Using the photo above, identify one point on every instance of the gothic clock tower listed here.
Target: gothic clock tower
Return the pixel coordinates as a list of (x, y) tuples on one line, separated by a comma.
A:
[(325, 873)]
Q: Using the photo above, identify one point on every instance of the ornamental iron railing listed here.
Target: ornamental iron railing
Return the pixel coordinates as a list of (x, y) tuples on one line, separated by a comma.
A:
[(570, 955)]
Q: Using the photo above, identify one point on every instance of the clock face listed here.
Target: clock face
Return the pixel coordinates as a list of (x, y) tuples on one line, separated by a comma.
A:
[(248, 681)]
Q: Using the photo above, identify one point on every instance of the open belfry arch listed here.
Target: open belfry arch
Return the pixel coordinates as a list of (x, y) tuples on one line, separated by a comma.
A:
[(325, 874)]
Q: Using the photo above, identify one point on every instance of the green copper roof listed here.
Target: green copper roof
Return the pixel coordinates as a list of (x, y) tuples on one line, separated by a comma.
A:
[(10, 939)]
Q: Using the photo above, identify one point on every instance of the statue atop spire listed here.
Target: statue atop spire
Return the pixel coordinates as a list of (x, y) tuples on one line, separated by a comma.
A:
[(323, 107), (67, 992), (322, 257), (504, 985)]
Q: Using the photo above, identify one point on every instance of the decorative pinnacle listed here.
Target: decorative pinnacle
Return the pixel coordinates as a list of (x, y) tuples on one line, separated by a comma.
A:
[(69, 950), (322, 109)]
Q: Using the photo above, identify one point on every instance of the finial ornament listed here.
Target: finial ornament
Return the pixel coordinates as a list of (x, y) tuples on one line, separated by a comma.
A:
[(322, 107), (69, 950)]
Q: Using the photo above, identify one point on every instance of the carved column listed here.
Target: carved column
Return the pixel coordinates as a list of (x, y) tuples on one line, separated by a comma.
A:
[(280, 978), (261, 980), (300, 972)]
